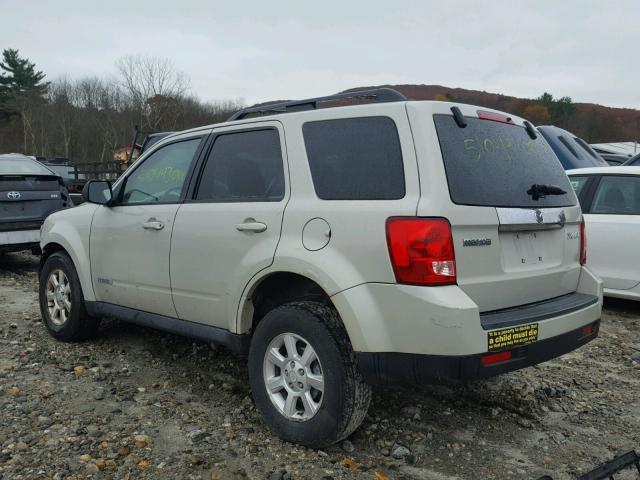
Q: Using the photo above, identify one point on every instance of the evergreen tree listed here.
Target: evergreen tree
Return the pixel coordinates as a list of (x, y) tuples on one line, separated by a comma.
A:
[(560, 109), (20, 83)]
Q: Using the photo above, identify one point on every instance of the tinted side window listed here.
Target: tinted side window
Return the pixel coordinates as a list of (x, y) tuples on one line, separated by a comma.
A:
[(617, 195), (355, 158), (244, 167), (160, 178)]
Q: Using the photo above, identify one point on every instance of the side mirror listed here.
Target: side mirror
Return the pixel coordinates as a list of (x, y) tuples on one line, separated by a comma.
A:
[(97, 191)]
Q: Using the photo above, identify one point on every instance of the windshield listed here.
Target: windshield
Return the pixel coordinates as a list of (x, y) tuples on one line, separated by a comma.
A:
[(22, 166), (496, 164)]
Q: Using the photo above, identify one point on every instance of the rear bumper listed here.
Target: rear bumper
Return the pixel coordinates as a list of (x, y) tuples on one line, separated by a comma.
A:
[(444, 321), (399, 368), (19, 238)]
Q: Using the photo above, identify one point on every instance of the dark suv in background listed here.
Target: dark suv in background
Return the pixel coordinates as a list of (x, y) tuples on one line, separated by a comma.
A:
[(29, 192), (573, 152)]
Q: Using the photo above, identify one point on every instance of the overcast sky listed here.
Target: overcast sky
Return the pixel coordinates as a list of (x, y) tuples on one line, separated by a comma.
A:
[(262, 50)]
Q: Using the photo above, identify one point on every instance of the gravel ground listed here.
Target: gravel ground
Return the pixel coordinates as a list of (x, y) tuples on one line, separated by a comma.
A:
[(136, 403)]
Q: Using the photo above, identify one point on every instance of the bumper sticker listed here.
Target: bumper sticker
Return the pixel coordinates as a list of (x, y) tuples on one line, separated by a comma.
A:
[(507, 338)]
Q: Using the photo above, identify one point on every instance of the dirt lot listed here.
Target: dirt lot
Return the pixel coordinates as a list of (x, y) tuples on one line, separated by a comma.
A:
[(136, 403)]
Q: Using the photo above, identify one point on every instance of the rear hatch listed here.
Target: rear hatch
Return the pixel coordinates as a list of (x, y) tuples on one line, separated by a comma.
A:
[(26, 200), (514, 244)]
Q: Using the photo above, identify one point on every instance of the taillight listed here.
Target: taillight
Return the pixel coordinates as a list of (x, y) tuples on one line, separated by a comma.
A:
[(421, 250), (583, 243)]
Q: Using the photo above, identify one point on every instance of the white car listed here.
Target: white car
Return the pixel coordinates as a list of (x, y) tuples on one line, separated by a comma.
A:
[(412, 242), (610, 200)]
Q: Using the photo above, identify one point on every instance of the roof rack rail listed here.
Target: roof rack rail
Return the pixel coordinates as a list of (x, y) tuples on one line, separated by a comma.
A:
[(378, 95)]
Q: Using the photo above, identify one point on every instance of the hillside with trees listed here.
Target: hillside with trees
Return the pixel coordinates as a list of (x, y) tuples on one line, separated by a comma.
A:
[(86, 118), (594, 123)]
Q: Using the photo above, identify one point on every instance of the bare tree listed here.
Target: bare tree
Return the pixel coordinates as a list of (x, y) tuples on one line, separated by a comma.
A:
[(152, 86), (63, 104), (85, 119)]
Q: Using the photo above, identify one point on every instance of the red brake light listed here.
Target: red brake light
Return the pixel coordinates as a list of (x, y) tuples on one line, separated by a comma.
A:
[(421, 250), (494, 358), (583, 243), (586, 330), (495, 117)]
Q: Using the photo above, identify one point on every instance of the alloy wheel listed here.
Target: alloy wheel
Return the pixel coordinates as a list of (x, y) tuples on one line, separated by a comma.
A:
[(293, 377), (58, 292)]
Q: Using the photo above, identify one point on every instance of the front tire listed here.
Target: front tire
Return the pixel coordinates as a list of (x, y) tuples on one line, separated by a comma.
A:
[(304, 377), (61, 301)]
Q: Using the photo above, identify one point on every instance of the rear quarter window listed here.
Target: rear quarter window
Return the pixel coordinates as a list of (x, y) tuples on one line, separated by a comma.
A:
[(494, 164), (578, 183), (355, 158)]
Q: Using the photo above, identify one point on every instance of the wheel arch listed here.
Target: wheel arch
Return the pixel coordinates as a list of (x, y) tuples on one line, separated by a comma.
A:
[(78, 255), (274, 289)]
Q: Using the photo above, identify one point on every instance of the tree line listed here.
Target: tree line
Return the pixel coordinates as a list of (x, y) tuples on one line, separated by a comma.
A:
[(85, 119)]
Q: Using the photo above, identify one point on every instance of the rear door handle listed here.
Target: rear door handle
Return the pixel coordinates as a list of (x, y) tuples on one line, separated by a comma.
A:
[(250, 225), (153, 224)]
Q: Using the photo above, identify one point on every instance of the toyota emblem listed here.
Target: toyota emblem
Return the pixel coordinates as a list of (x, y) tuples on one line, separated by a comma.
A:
[(13, 195)]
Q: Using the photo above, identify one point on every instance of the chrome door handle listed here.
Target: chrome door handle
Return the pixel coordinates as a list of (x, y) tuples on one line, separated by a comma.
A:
[(153, 224), (251, 226)]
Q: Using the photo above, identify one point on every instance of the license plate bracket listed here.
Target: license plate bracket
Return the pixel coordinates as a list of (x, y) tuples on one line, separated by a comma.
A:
[(527, 247)]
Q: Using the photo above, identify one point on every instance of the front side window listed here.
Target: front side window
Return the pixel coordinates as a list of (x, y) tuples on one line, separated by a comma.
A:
[(355, 158), (617, 195), (243, 167), (161, 177)]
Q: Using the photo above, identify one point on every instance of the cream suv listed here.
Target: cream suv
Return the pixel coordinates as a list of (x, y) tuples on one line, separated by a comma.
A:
[(396, 241)]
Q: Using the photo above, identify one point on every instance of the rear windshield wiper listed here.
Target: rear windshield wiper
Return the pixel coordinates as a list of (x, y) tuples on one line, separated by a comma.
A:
[(538, 191)]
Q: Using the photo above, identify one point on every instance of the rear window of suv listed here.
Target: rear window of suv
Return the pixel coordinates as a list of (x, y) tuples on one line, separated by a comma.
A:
[(490, 163), (22, 166), (355, 158)]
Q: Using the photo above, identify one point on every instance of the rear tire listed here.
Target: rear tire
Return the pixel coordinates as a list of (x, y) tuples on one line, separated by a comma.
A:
[(62, 302), (329, 398)]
